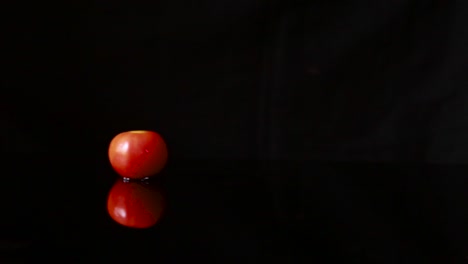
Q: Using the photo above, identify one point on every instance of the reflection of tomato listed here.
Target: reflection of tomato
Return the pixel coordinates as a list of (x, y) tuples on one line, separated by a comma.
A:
[(137, 154), (134, 204)]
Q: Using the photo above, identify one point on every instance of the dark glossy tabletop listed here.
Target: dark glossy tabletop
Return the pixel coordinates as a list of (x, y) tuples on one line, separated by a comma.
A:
[(241, 211)]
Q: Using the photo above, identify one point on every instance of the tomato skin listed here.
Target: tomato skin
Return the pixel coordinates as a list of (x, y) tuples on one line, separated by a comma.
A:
[(137, 154), (135, 204)]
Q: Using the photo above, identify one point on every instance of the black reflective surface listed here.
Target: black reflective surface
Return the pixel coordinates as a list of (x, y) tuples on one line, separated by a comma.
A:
[(240, 212)]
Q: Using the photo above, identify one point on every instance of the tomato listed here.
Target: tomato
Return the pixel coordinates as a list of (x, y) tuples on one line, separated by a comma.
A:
[(135, 204), (137, 154)]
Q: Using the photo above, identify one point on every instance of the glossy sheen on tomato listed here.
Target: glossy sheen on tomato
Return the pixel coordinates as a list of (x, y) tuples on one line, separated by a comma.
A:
[(135, 204), (138, 154)]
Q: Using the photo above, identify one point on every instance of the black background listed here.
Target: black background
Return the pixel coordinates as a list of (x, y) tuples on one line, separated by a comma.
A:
[(243, 80), (367, 80)]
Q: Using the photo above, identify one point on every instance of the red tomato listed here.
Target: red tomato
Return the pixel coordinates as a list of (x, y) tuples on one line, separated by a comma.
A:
[(135, 204), (138, 154)]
